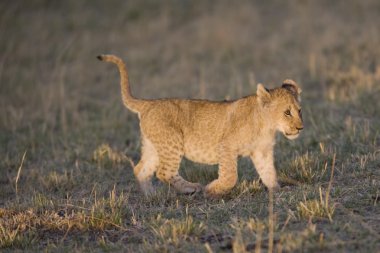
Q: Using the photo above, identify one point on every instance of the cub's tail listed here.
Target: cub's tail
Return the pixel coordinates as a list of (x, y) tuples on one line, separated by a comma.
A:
[(129, 101)]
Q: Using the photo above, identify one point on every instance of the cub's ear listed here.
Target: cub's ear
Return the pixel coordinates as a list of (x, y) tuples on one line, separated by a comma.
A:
[(291, 86), (263, 94)]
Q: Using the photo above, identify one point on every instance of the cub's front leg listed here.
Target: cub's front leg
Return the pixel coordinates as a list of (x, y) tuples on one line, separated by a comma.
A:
[(263, 161)]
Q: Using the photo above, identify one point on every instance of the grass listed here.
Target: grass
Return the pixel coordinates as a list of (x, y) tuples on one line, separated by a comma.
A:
[(173, 231), (68, 145), (315, 208)]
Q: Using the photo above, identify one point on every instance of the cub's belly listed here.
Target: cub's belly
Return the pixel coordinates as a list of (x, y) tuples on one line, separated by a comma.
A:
[(201, 154)]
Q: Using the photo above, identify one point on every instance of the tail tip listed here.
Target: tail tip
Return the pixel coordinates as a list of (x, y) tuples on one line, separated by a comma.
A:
[(100, 57)]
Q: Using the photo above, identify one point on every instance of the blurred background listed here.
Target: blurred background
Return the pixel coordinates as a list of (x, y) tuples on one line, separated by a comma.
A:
[(197, 49)]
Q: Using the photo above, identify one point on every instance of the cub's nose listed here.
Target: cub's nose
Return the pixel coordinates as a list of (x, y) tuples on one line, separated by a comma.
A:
[(299, 128)]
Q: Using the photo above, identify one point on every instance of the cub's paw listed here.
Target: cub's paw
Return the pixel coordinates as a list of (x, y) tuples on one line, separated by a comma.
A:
[(192, 188), (275, 187), (147, 188), (212, 191), (212, 195), (272, 184)]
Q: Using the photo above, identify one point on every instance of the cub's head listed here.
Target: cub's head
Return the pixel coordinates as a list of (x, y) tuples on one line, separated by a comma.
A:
[(281, 107)]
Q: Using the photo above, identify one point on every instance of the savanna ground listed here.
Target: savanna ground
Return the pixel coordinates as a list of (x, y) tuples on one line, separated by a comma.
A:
[(66, 183)]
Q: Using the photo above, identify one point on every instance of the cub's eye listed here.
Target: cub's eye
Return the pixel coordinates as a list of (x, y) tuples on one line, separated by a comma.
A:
[(287, 113)]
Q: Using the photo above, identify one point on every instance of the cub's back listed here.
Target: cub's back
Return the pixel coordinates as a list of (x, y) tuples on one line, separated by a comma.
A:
[(188, 115)]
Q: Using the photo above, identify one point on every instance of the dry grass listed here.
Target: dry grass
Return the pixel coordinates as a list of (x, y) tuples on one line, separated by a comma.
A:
[(68, 145), (172, 231)]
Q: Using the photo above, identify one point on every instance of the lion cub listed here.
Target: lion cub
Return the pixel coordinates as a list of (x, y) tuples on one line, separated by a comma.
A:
[(211, 133)]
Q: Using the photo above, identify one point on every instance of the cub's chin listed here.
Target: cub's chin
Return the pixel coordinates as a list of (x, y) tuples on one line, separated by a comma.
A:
[(291, 136)]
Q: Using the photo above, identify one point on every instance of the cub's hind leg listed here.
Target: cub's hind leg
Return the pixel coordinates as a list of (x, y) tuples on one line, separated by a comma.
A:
[(227, 174), (170, 153), (168, 172), (146, 167)]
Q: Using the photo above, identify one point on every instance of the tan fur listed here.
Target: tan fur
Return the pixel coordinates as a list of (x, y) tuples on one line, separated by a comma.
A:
[(211, 133)]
